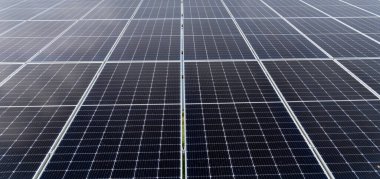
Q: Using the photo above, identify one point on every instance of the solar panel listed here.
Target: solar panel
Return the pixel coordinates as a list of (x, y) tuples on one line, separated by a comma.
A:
[(365, 25), (27, 134), (47, 84), (104, 28), (347, 45), (366, 70), (110, 13), (6, 70), (120, 142), (189, 89), (210, 27), (77, 49), (137, 83), (343, 11), (39, 29), (345, 133), (252, 12), (227, 82), (336, 39), (246, 140), (19, 13), (20, 49), (62, 14), (7, 25), (315, 80)]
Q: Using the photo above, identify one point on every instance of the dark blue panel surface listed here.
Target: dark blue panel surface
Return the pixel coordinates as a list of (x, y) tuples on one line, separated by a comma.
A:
[(246, 141), (137, 83), (120, 142), (315, 80), (346, 135), (47, 84), (212, 82), (26, 135)]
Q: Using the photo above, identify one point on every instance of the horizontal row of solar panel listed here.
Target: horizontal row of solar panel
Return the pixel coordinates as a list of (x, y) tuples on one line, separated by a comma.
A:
[(206, 82)]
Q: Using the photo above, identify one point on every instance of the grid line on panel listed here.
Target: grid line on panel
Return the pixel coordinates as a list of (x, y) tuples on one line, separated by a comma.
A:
[(56, 143), (341, 22), (315, 152), (45, 47)]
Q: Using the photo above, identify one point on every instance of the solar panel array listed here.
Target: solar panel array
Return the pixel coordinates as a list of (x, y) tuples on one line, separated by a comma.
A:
[(189, 89)]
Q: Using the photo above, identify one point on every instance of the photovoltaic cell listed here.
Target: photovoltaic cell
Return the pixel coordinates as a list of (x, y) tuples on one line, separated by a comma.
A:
[(141, 141), (266, 27), (246, 140), (344, 11), (6, 70), (35, 4), (284, 46), (315, 80), (147, 48), (77, 49), (111, 13), (137, 83), (375, 36), (371, 8), (365, 25), (39, 29), (284, 3), (202, 27), (205, 12), (165, 27), (119, 3), (103, 28), (20, 49), (78, 4), (216, 47), (47, 84), (324, 3), (27, 134), (347, 45), (227, 82), (346, 135), (19, 13), (62, 14), (244, 3), (161, 3), (320, 26), (366, 70), (6, 25), (208, 3), (149, 40), (298, 11), (162, 12), (253, 12), (363, 3)]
